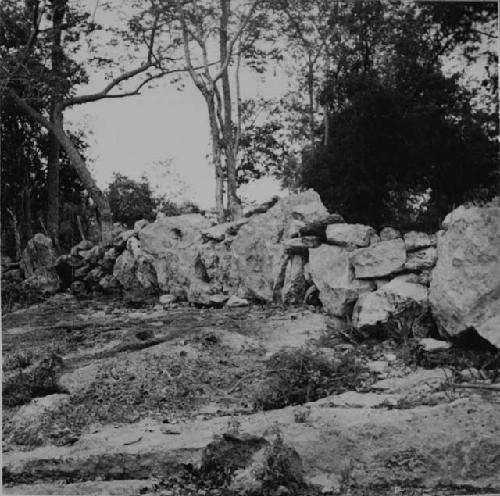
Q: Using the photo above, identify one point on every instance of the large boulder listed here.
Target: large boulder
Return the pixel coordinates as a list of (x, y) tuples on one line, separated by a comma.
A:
[(38, 263), (465, 284), (398, 301), (333, 275), (173, 244), (259, 256), (380, 260)]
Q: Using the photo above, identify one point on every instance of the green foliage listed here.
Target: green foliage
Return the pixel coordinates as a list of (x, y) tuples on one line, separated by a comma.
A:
[(405, 144), (131, 200), (281, 470), (297, 376)]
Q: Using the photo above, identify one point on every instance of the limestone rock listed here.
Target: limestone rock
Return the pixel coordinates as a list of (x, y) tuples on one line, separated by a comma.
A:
[(120, 240), (172, 244), (429, 344), (220, 231), (315, 217), (259, 259), (333, 276), (397, 299), (236, 301), (135, 271), (343, 234), (108, 283), (416, 240), (213, 266), (262, 208), (38, 263), (380, 260), (166, 299), (302, 244), (388, 233), (465, 284), (421, 259), (140, 224)]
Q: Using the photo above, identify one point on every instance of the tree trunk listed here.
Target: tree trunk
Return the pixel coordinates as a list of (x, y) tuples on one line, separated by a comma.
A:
[(97, 196), (216, 159), (53, 164), (56, 117), (233, 202), (326, 126), (310, 91), (17, 236)]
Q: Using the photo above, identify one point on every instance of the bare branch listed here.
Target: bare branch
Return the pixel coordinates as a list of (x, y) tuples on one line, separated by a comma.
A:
[(187, 53)]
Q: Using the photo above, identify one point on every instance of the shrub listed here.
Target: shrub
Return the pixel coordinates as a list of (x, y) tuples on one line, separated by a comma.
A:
[(296, 376), (40, 380)]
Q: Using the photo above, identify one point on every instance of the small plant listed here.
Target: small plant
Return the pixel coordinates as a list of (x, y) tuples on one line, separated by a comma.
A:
[(297, 376), (233, 425), (301, 414), (346, 476)]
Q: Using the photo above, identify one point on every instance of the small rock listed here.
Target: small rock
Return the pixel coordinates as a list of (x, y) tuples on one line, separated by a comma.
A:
[(166, 299), (390, 357), (416, 240), (302, 244), (236, 301), (380, 260), (430, 344), (421, 259), (140, 224), (343, 234), (469, 374), (389, 233), (377, 366)]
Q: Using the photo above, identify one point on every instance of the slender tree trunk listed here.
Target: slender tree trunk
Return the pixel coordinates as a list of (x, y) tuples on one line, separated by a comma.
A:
[(53, 164), (233, 202), (97, 196), (326, 126), (27, 213), (216, 159), (17, 236), (310, 91)]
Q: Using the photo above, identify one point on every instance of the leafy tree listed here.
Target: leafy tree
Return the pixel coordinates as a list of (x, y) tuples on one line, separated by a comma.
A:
[(39, 76), (131, 200), (24, 182), (405, 143)]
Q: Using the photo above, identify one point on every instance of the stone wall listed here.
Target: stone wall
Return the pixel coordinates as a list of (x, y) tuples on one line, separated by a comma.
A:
[(294, 251)]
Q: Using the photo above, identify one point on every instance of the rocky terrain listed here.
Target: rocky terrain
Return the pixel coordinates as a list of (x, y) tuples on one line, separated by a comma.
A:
[(167, 402), (286, 353)]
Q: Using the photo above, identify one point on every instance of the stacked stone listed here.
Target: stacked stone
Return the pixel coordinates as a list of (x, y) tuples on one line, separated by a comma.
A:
[(373, 278), (88, 267), (11, 271)]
